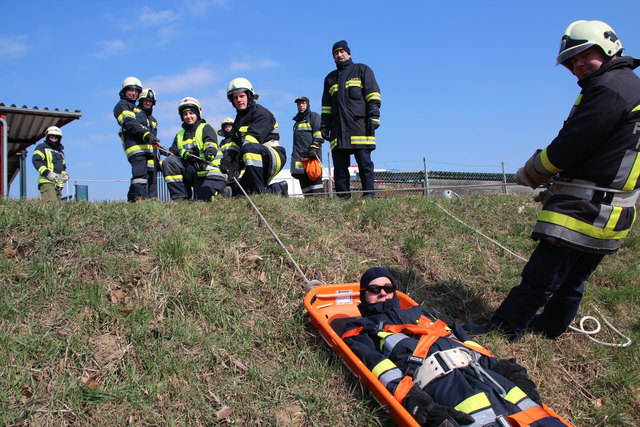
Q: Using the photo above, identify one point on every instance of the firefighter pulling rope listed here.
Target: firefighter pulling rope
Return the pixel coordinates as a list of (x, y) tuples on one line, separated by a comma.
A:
[(584, 319)]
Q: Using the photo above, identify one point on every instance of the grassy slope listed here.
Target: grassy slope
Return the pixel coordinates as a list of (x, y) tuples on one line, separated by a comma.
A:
[(181, 313)]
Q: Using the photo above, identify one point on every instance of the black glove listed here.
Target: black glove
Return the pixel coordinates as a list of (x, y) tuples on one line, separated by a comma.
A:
[(151, 139), (431, 414), (543, 196), (312, 153), (517, 374), (326, 135), (373, 123), (225, 164)]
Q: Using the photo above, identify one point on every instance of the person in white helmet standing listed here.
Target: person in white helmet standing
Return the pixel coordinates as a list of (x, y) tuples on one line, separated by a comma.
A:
[(592, 169), (137, 140), (255, 143), (48, 159)]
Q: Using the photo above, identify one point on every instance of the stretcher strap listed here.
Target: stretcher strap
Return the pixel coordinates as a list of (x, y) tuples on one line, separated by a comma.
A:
[(403, 388), (529, 416), (352, 332)]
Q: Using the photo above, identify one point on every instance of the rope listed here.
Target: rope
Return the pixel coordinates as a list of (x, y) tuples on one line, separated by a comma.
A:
[(308, 283), (582, 321)]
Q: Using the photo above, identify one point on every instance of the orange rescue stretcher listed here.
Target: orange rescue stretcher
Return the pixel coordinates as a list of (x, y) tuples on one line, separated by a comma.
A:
[(328, 303)]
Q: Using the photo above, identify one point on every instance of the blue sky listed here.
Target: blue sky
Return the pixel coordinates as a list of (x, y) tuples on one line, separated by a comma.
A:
[(466, 84)]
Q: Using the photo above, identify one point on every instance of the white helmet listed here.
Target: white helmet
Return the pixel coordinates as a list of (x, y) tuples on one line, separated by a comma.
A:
[(189, 102), (53, 131), (240, 84), (132, 82), (148, 93), (581, 35), (226, 121)]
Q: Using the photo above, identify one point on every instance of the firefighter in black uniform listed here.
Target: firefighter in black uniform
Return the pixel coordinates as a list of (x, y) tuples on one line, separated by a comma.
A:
[(590, 204), (307, 143), (256, 143), (350, 116), (226, 133), (196, 157), (137, 140), (48, 159), (451, 372), (144, 116)]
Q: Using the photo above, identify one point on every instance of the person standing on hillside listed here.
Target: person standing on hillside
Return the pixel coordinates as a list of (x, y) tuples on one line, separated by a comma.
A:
[(144, 116), (350, 117), (307, 143), (590, 205), (137, 140), (255, 143), (196, 159), (48, 159)]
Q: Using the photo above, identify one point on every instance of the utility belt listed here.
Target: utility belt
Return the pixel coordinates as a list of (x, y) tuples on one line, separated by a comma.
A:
[(587, 190), (441, 363)]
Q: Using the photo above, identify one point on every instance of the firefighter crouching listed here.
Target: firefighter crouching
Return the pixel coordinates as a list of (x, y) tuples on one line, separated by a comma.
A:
[(137, 140), (48, 159), (255, 144), (194, 167)]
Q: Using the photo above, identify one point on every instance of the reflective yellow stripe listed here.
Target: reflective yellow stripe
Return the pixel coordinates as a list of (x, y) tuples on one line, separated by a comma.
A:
[(382, 367), (363, 140), (252, 156), (473, 403), (251, 138), (125, 113), (333, 143), (578, 100), (635, 172), (546, 163), (317, 134), (605, 233), (373, 96), (42, 169), (353, 83), (138, 147), (326, 110), (304, 126), (515, 395), (333, 89)]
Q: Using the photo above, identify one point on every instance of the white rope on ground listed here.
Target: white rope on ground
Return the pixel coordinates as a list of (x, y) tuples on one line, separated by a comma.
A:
[(582, 321), (308, 283)]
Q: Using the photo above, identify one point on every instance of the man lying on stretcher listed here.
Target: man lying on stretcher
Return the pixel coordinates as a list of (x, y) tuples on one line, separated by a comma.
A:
[(439, 375)]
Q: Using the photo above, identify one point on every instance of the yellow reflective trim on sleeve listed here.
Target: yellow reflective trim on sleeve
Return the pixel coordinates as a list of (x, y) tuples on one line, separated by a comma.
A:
[(250, 138), (373, 96), (42, 169), (39, 153), (317, 134), (473, 403), (515, 395), (383, 367), (634, 174), (333, 89), (605, 233), (327, 110), (304, 126), (252, 156), (138, 147), (546, 163), (125, 113), (578, 100)]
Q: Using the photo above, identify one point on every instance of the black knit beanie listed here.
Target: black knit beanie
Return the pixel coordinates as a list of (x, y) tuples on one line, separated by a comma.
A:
[(340, 45)]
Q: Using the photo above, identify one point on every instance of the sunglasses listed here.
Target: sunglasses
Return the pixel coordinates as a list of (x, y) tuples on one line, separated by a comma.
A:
[(376, 289)]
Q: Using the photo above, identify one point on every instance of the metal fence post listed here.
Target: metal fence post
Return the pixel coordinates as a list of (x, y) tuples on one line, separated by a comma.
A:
[(504, 179), (330, 174), (426, 177)]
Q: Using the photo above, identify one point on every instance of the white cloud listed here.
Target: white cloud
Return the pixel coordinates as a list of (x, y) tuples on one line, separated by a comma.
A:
[(252, 65), (14, 46), (199, 7), (109, 48), (153, 18), (191, 78)]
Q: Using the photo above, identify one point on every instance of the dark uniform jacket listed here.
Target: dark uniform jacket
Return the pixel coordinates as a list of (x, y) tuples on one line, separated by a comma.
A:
[(599, 143), (350, 98), (132, 132), (306, 131), (386, 354), (48, 156), (255, 125)]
